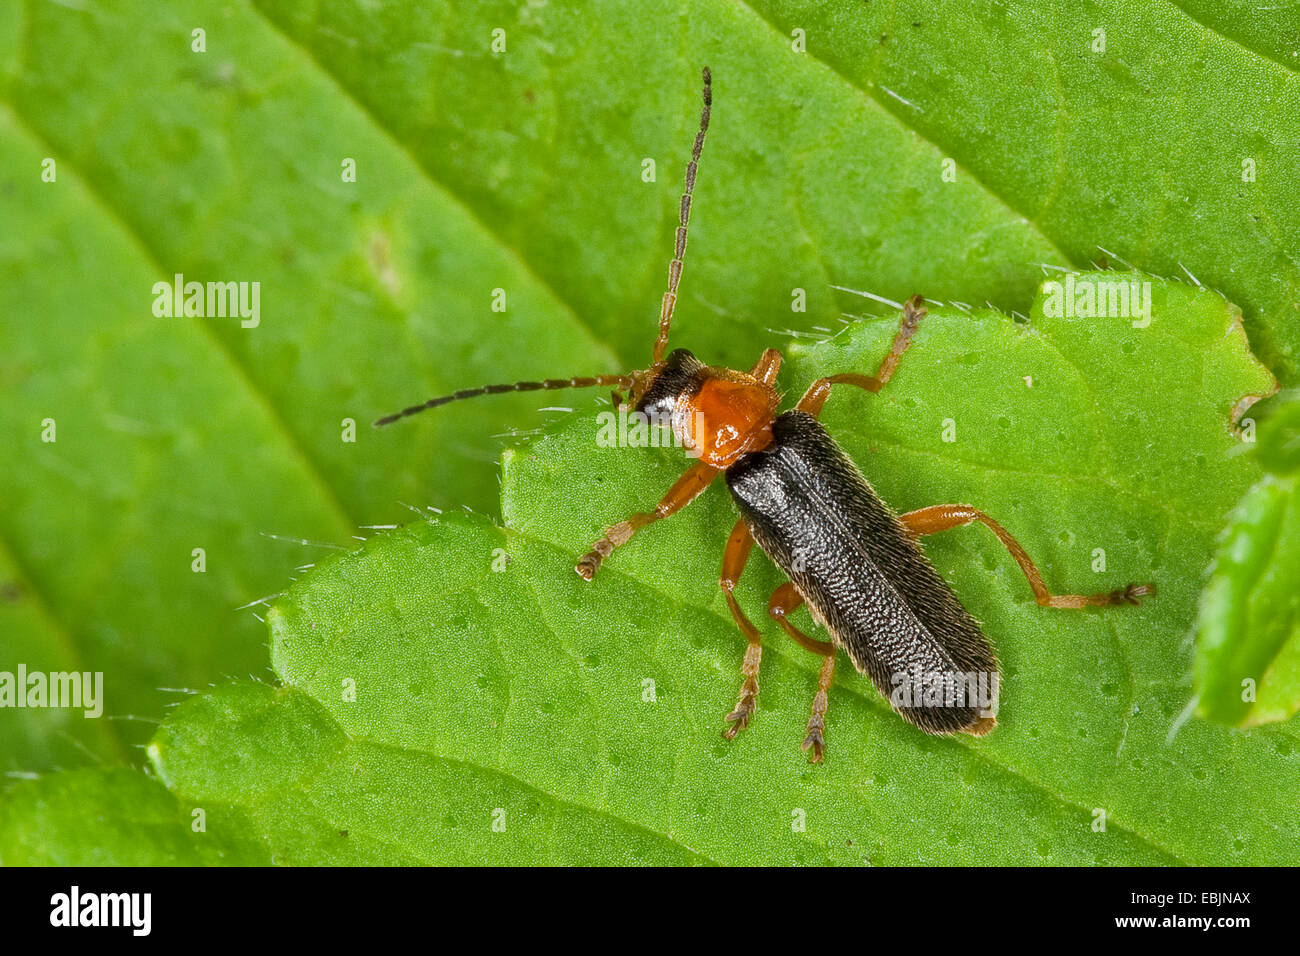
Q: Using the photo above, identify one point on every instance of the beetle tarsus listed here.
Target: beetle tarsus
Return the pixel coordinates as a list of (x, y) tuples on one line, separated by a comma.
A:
[(1132, 594), (814, 742), (745, 707), (590, 562)]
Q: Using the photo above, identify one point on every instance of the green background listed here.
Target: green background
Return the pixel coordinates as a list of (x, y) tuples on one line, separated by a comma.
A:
[(523, 171)]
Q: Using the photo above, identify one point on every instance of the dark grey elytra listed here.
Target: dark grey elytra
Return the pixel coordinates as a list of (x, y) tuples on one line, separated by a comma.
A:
[(864, 577), (854, 562)]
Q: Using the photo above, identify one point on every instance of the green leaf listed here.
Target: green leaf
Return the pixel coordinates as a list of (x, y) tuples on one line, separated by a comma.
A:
[(523, 172), (176, 434), (454, 673), (1279, 445), (132, 820), (1248, 635)]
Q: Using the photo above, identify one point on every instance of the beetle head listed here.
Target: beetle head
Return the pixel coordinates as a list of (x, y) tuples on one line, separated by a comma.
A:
[(678, 376)]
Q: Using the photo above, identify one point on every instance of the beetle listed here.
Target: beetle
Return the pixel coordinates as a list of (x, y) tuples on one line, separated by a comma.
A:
[(855, 563)]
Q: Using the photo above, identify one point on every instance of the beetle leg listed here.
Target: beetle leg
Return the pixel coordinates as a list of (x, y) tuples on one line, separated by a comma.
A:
[(767, 366), (816, 740), (820, 390), (785, 600), (682, 493), (942, 517), (734, 558)]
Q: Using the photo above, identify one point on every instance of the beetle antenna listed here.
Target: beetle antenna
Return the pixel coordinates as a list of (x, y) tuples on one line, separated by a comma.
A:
[(679, 248), (622, 381)]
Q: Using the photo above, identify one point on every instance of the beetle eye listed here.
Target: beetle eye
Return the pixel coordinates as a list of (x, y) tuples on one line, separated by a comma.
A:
[(678, 376), (658, 411)]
